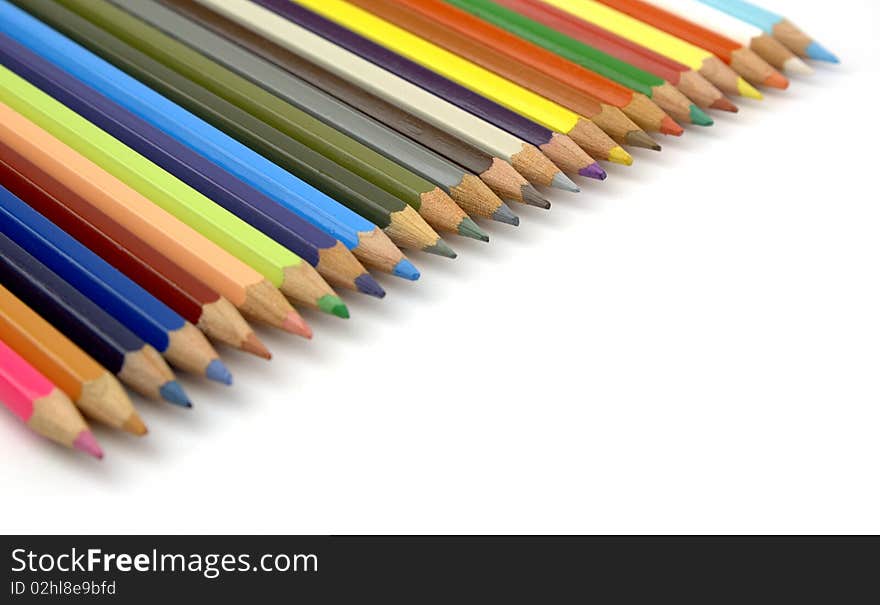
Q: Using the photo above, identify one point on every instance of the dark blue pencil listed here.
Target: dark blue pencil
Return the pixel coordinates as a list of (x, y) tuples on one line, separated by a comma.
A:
[(145, 315), (114, 346)]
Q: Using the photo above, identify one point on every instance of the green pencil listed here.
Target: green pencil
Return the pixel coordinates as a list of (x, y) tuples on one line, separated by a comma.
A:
[(667, 96)]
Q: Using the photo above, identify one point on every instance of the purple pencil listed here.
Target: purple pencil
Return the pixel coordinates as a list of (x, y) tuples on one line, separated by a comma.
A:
[(314, 246), (559, 148)]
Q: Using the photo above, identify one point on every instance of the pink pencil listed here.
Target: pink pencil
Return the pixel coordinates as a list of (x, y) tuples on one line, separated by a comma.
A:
[(39, 403)]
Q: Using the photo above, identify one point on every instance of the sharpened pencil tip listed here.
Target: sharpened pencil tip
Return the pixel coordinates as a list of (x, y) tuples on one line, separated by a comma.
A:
[(218, 372), (670, 126), (135, 425), (406, 270), (639, 138), (505, 215), (333, 305), (747, 90), (700, 117), (560, 181), (441, 248), (295, 324), (172, 392), (366, 284), (594, 171), (776, 80), (725, 104), (796, 65), (531, 197), (255, 346), (468, 228), (86, 442), (820, 53)]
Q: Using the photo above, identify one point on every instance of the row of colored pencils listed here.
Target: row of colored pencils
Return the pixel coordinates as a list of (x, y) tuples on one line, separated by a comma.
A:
[(173, 170)]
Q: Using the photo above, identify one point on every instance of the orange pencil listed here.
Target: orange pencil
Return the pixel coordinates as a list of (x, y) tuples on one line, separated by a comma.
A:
[(93, 389), (236, 281)]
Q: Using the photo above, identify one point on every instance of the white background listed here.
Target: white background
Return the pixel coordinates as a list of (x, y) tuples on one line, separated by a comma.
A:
[(690, 346)]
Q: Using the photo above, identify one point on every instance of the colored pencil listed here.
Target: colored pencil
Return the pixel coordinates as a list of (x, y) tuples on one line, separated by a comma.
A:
[(484, 42), (458, 69), (781, 28), (177, 339), (277, 222), (498, 174), (297, 279), (399, 221), (447, 52), (666, 96), (494, 128), (155, 272), (93, 389), (747, 35), (363, 238), (135, 363), (711, 67), (637, 106), (741, 58), (378, 154), (688, 81), (239, 283), (41, 405)]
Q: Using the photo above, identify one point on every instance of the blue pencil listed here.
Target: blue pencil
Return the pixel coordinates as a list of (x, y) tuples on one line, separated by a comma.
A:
[(362, 237), (776, 25), (150, 319), (273, 219), (114, 346)]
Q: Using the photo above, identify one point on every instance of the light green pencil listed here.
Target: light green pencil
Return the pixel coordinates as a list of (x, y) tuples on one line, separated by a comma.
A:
[(297, 279)]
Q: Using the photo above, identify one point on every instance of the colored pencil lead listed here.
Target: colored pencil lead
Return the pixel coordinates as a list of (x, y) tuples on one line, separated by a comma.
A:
[(295, 324), (368, 285), (333, 305), (172, 392), (560, 181), (595, 171), (747, 90), (640, 138), (87, 443), (820, 53), (670, 126), (254, 346), (135, 426), (725, 104), (468, 228), (531, 197), (622, 157), (700, 117), (218, 372), (406, 270)]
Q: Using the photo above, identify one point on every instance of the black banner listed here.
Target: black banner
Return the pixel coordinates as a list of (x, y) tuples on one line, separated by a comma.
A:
[(458, 569)]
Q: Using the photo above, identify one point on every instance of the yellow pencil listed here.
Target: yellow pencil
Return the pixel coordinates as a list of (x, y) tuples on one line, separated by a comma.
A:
[(698, 59), (468, 74)]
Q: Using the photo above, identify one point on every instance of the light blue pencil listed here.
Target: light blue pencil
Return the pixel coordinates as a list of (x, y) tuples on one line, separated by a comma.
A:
[(778, 26)]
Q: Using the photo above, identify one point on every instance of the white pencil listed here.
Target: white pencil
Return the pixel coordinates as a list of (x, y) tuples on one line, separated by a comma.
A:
[(750, 36), (525, 157)]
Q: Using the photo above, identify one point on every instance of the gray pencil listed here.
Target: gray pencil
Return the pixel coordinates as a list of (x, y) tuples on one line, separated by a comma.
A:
[(403, 168)]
